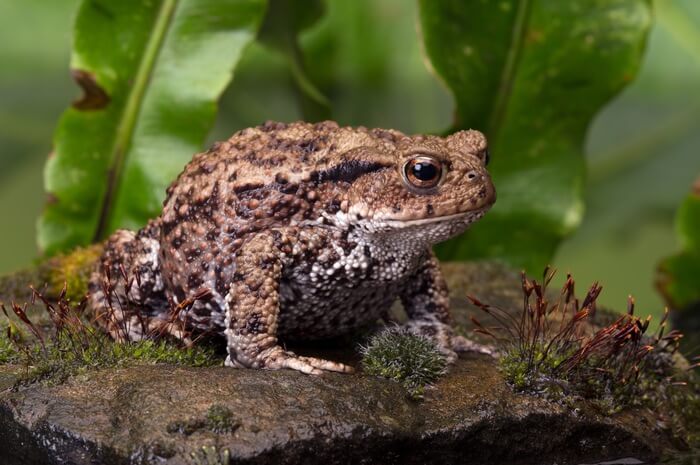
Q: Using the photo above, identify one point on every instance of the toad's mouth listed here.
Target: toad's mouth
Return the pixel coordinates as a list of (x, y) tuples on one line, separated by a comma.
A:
[(467, 217)]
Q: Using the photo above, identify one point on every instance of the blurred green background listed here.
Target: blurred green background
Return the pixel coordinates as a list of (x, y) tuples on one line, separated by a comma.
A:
[(642, 149)]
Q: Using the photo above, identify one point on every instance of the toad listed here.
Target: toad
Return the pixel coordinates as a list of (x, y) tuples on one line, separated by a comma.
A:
[(299, 232)]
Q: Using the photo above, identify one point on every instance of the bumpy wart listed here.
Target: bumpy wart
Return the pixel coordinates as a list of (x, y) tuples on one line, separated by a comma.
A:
[(298, 232)]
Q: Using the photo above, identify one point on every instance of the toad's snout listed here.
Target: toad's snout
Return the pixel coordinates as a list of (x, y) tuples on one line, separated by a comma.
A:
[(482, 192)]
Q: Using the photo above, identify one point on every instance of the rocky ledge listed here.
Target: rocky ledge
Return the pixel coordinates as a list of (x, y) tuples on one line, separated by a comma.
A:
[(167, 414)]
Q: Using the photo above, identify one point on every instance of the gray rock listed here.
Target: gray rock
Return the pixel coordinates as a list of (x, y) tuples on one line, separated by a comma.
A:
[(158, 414)]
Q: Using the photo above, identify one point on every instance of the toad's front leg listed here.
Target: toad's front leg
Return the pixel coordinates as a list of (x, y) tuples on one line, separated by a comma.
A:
[(427, 303), (252, 312)]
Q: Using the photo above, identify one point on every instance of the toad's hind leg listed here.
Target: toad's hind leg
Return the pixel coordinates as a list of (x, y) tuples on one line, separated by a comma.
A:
[(253, 309), (126, 292)]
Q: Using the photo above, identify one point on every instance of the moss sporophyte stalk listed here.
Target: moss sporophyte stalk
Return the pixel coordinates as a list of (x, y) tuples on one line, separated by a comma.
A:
[(68, 344), (557, 348)]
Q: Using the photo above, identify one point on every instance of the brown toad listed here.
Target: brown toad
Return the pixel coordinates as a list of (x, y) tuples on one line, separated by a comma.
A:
[(298, 232)]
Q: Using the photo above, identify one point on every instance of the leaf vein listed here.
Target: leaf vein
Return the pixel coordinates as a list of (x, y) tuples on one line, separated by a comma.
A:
[(509, 68)]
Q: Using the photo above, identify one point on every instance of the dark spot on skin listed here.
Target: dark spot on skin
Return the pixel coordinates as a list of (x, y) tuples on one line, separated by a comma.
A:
[(254, 286), (221, 285), (429, 209), (207, 168), (288, 188), (269, 126), (192, 254), (194, 280), (215, 147), (168, 227), (254, 324), (247, 187), (176, 242), (333, 206), (179, 293), (281, 178), (308, 146), (385, 135), (232, 177), (94, 97)]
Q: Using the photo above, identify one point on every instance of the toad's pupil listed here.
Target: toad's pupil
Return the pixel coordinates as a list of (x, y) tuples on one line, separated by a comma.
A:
[(425, 171)]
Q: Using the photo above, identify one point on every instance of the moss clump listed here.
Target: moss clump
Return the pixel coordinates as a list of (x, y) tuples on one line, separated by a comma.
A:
[(65, 355), (72, 271), (219, 419), (8, 350), (73, 346), (412, 360), (550, 348), (524, 374)]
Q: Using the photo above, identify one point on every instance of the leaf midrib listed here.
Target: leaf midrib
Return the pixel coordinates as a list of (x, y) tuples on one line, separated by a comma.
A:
[(509, 69), (129, 117)]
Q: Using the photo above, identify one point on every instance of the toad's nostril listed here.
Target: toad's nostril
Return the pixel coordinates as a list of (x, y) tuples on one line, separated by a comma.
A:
[(471, 175)]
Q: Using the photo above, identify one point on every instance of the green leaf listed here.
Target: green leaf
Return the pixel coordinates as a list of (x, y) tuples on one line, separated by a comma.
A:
[(532, 74), (284, 21), (678, 276), (151, 72)]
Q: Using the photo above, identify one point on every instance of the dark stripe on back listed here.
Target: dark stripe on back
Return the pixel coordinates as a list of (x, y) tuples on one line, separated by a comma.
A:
[(348, 171)]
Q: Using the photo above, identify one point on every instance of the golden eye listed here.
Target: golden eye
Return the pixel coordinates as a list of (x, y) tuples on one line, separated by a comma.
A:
[(423, 172)]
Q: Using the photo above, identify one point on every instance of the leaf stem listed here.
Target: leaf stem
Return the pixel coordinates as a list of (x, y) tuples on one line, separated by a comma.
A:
[(127, 122)]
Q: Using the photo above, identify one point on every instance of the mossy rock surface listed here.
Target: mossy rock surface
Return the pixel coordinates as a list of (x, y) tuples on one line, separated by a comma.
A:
[(132, 415)]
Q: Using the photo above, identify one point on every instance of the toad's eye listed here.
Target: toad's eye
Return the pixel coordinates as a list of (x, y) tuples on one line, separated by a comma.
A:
[(423, 172)]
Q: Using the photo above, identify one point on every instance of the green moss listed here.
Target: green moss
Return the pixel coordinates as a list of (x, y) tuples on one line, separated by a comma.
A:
[(8, 351), (70, 354), (72, 271), (219, 419), (525, 374), (412, 360)]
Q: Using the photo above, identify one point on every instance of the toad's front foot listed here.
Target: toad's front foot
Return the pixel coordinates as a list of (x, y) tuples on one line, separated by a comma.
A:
[(462, 344), (276, 358), (446, 341)]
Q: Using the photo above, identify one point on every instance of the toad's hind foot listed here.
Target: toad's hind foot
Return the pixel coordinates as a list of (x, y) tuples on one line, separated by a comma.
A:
[(462, 344), (126, 293), (277, 358)]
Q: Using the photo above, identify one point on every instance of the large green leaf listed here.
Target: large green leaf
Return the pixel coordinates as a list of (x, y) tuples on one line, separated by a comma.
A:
[(679, 275), (532, 74), (151, 71), (284, 21)]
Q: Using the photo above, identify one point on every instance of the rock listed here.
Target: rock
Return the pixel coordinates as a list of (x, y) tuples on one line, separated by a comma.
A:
[(162, 414)]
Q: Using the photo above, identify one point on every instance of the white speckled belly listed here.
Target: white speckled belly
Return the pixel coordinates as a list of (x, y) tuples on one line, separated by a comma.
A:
[(324, 312)]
